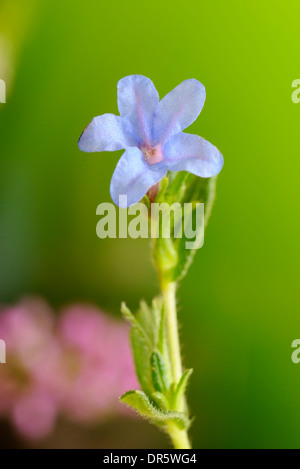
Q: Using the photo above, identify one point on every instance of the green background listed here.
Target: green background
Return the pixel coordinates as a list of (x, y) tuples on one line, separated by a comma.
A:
[(239, 304)]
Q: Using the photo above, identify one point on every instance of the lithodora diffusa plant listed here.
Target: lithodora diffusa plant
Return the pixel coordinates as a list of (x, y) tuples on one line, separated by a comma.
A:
[(161, 163)]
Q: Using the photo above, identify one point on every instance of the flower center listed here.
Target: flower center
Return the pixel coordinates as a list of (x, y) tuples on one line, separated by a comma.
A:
[(152, 154)]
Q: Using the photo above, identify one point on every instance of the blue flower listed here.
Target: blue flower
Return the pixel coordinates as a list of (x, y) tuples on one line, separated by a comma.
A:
[(150, 131)]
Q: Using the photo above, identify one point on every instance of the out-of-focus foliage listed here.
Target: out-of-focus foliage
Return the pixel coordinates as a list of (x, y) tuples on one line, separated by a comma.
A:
[(16, 26)]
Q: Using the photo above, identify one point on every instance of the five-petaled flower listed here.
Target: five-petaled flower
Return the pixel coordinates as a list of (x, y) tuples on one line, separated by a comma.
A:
[(150, 131)]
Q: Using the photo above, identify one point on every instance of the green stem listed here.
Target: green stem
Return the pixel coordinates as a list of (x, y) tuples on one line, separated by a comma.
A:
[(169, 294), (179, 437)]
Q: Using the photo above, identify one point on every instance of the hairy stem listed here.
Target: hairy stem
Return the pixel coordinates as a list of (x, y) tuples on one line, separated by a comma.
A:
[(169, 294), (179, 437)]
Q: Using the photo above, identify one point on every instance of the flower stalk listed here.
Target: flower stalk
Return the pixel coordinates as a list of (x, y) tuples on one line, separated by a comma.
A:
[(169, 296), (179, 437)]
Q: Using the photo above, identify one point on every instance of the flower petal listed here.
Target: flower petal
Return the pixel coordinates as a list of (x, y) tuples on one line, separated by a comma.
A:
[(178, 109), (104, 133), (137, 102), (133, 177), (186, 152)]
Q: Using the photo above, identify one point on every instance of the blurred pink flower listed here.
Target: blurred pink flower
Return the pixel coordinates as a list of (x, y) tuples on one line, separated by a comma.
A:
[(32, 354), (77, 366), (98, 362), (34, 414)]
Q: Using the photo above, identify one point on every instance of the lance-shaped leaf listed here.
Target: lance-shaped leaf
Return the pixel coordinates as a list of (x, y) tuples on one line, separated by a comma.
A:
[(142, 346), (180, 390), (147, 338), (198, 190), (159, 372), (141, 403)]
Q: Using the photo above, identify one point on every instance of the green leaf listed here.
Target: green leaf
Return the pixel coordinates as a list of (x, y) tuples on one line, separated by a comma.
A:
[(160, 399), (171, 257), (147, 338), (142, 346), (134, 322), (141, 403), (149, 318), (159, 373), (181, 388), (199, 191)]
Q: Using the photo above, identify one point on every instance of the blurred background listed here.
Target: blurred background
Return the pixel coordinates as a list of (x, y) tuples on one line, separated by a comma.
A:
[(239, 304)]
